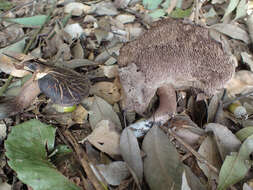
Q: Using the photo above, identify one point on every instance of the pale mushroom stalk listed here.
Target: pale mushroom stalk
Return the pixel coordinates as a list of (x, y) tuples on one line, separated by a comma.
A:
[(166, 110), (12, 106), (172, 52)]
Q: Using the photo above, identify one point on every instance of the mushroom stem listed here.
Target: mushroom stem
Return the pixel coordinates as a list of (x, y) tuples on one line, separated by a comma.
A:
[(12, 106), (167, 106)]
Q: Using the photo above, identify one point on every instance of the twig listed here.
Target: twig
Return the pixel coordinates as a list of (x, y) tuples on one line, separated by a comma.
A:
[(225, 104), (39, 30), (6, 85), (83, 158), (17, 7), (196, 154)]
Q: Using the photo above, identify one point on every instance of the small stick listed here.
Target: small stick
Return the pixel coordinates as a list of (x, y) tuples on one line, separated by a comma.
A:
[(225, 104), (84, 160), (6, 85), (196, 154)]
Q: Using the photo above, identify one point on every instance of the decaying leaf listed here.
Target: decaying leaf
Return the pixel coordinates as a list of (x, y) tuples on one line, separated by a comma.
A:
[(209, 150), (106, 90), (233, 31), (131, 154), (114, 172), (80, 115), (101, 110), (190, 181), (162, 167), (77, 9), (242, 81), (8, 66), (186, 129), (226, 141), (110, 71), (106, 137)]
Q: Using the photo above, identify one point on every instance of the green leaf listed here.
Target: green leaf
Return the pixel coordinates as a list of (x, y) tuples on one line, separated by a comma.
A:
[(244, 133), (232, 5), (179, 13), (26, 150), (151, 4), (157, 13), (241, 10), (17, 47), (37, 20), (166, 4), (5, 5), (236, 166)]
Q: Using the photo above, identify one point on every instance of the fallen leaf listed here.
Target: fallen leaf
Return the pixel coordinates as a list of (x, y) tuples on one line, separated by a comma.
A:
[(80, 115), (242, 81), (125, 18), (244, 133), (8, 67), (131, 154), (162, 167), (114, 173), (101, 110), (77, 9), (226, 141), (105, 137), (110, 71), (105, 8), (106, 90), (232, 31), (190, 181), (209, 150), (236, 166)]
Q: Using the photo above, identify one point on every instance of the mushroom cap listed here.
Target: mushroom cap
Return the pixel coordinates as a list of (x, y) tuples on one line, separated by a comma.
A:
[(172, 52), (63, 86)]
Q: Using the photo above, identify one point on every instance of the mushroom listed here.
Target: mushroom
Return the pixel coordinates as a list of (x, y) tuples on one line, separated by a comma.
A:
[(172, 52), (63, 86)]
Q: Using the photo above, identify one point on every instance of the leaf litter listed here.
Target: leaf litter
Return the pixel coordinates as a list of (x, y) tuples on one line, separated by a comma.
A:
[(86, 37)]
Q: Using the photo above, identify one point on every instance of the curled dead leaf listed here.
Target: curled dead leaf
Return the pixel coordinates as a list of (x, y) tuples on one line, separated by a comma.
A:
[(106, 138)]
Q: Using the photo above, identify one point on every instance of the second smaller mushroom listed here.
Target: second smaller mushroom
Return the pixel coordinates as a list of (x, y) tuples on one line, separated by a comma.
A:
[(63, 86)]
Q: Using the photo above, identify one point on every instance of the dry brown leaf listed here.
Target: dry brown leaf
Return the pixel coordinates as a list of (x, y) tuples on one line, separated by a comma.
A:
[(101, 110), (114, 173), (106, 138), (80, 115), (233, 31), (7, 66), (208, 149), (226, 141), (241, 81), (106, 90), (77, 9), (110, 71), (186, 129)]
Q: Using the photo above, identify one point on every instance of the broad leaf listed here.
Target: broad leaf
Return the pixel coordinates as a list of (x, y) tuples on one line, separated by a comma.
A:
[(232, 5), (236, 166), (151, 4), (244, 133), (131, 154), (26, 150), (101, 110), (162, 166), (37, 20)]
